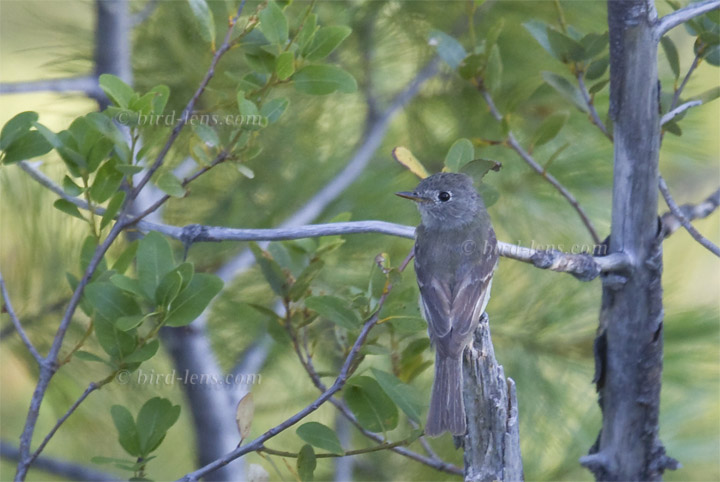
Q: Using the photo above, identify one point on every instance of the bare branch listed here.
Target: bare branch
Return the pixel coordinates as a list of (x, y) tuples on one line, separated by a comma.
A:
[(672, 20), (18, 326), (515, 145), (671, 223), (91, 388), (678, 110), (62, 468), (675, 209), (582, 266), (86, 84), (676, 96), (591, 106)]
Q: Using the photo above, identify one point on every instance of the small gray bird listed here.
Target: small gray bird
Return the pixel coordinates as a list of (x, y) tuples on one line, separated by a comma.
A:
[(455, 257)]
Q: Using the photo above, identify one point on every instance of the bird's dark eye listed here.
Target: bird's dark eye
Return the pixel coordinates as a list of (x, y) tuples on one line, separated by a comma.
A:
[(444, 196)]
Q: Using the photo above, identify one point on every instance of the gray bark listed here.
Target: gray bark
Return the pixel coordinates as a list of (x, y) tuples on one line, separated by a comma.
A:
[(630, 338), (492, 443)]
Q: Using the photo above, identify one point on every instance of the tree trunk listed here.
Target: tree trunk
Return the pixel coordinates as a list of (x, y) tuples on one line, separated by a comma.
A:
[(492, 443), (629, 343)]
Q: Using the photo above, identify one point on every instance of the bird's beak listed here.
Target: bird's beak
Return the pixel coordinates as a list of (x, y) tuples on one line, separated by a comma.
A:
[(411, 195)]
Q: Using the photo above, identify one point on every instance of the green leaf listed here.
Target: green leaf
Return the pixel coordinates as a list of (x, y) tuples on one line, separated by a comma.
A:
[(110, 301), (472, 66), (323, 80), (320, 436), (127, 284), (87, 356), (144, 353), (155, 418), (539, 30), (154, 260), (565, 48), (374, 410), (205, 19), (405, 396), (566, 89), (671, 54), (128, 169), (494, 33), (493, 71), (169, 288), (106, 182), (193, 300), (123, 262), (246, 107), (335, 310), (597, 68), (127, 431), (70, 187), (113, 208), (271, 270), (594, 44), (127, 323), (207, 134), (478, 168), (285, 65), (16, 127), (116, 89), (274, 108), (460, 153), (306, 463), (672, 128), (116, 343), (170, 184), (307, 32), (273, 24), (550, 128), (68, 208), (598, 86), (325, 41), (449, 49), (161, 94), (28, 145), (87, 252), (302, 283)]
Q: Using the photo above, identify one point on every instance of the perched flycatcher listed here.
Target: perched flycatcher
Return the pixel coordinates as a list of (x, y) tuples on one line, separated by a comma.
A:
[(455, 257)]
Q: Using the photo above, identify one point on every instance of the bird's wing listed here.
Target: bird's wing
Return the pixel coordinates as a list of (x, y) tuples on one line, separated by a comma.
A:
[(453, 307)]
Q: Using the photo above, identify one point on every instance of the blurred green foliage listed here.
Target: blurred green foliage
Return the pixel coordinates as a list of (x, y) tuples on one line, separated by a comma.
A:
[(543, 323)]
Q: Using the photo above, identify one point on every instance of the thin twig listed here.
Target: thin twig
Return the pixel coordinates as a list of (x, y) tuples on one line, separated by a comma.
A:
[(91, 388), (679, 110), (375, 448), (18, 326), (683, 220), (672, 20), (63, 468), (224, 47), (701, 210), (591, 106), (345, 372), (431, 461), (515, 145), (676, 96)]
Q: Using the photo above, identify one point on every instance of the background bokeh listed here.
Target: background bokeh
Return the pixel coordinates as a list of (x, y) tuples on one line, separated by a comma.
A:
[(543, 322)]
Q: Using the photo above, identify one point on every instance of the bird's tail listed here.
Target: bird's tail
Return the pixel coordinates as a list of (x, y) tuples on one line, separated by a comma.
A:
[(447, 410)]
